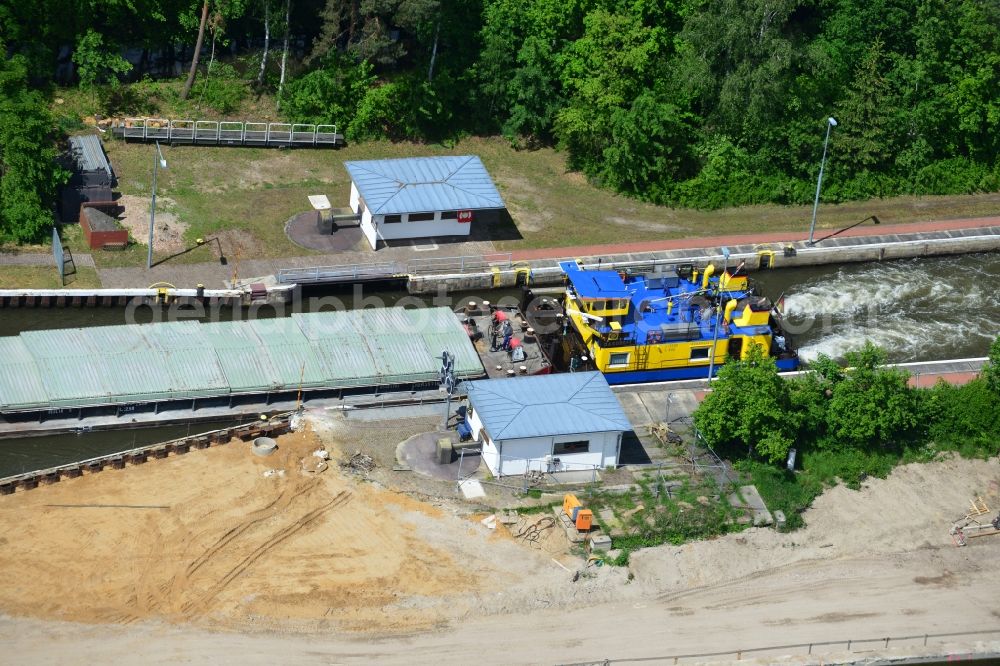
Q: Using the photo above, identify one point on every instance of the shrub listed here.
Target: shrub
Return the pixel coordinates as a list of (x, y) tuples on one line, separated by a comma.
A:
[(223, 90)]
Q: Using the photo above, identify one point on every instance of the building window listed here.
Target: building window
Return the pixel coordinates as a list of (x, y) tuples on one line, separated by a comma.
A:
[(562, 448), (420, 217), (449, 215), (699, 353), (391, 219), (618, 359)]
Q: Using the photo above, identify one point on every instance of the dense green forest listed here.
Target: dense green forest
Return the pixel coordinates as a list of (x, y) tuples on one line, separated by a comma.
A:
[(683, 102)]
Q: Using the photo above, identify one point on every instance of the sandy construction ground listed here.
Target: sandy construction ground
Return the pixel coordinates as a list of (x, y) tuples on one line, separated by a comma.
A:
[(204, 559), (207, 538)]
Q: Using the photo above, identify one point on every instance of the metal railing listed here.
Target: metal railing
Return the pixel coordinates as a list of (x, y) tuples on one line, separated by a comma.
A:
[(850, 645), (471, 264), (348, 273), (229, 132)]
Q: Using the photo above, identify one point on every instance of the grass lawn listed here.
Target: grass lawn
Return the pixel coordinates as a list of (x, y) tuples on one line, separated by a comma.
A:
[(45, 277), (251, 192)]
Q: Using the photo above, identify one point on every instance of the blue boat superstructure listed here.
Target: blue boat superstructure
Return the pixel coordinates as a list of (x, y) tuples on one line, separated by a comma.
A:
[(672, 323)]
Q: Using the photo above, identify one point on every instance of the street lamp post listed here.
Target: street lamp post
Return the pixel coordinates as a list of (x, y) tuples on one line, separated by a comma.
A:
[(158, 160), (717, 311), (830, 124)]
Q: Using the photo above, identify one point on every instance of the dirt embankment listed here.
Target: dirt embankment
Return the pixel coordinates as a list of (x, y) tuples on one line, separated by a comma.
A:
[(910, 511)]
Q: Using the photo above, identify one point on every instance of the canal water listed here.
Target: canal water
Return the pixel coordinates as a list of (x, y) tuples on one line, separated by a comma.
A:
[(30, 453), (917, 309)]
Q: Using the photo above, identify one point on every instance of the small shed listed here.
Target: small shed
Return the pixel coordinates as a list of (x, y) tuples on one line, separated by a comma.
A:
[(546, 423), (100, 229), (421, 197), (92, 178)]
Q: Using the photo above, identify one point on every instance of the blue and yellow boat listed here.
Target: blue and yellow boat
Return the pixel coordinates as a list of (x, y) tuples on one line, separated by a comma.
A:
[(673, 323)]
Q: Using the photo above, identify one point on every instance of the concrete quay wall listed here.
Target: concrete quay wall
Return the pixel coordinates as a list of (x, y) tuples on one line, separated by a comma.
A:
[(762, 256)]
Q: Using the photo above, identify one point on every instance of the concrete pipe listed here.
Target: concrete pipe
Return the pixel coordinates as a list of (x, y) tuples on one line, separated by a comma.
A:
[(263, 446)]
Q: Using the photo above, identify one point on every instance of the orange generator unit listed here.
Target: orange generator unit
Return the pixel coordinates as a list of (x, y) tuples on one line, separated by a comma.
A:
[(582, 518)]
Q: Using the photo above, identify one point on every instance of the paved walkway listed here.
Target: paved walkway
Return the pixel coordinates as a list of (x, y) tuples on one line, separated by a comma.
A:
[(41, 259), (215, 275)]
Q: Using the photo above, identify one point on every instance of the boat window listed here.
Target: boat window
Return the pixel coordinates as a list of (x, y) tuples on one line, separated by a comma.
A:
[(571, 447), (620, 358), (699, 353)]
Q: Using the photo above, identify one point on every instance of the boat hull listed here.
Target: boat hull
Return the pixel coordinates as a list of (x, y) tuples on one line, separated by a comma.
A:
[(676, 374)]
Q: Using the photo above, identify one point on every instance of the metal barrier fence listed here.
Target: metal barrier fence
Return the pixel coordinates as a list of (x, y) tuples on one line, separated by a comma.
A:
[(348, 273), (849, 645), (472, 264), (228, 132)]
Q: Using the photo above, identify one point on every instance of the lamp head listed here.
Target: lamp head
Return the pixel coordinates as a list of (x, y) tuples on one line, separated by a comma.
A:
[(163, 163), (832, 121), (725, 252), (876, 220)]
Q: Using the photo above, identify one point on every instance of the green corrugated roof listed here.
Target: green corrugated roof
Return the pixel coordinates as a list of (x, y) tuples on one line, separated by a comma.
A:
[(191, 363), (20, 380), (293, 356), (138, 363)]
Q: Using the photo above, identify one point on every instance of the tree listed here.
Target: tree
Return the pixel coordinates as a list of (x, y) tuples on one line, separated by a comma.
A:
[(284, 51), (873, 406), (810, 398), (604, 71), (749, 408), (991, 371), (197, 51), (96, 62), (534, 92), (650, 147), (329, 95), (865, 135), (28, 172), (267, 43)]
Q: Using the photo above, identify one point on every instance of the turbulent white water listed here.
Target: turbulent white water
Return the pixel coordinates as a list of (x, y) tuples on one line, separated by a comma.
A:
[(910, 311)]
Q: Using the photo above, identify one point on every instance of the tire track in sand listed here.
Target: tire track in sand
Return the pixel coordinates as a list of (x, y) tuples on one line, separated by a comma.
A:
[(274, 540)]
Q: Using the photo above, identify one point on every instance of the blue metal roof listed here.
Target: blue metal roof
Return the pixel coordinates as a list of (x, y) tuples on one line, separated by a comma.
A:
[(598, 284), (547, 405), (424, 184)]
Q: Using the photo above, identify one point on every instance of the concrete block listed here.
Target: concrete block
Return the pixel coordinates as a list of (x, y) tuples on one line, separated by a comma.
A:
[(600, 543)]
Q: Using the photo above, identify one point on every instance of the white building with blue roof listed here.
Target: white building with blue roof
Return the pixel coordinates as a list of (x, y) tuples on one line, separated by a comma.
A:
[(546, 423), (420, 197)]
